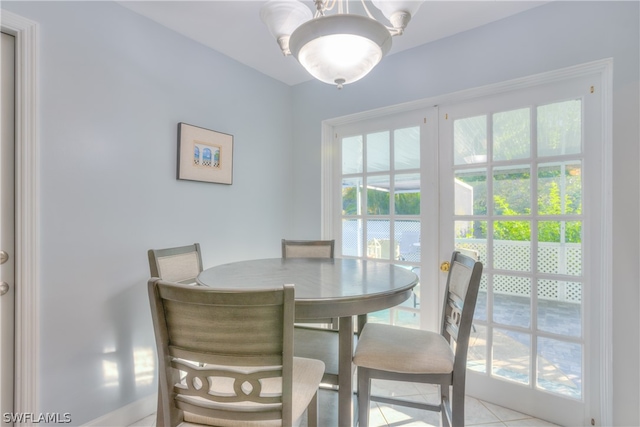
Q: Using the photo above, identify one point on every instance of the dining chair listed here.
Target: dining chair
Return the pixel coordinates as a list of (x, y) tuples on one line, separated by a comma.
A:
[(180, 264), (225, 357), (318, 337), (311, 249), (307, 248), (402, 354)]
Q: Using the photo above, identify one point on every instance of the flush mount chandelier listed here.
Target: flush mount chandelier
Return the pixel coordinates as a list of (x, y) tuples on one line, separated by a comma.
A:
[(338, 48)]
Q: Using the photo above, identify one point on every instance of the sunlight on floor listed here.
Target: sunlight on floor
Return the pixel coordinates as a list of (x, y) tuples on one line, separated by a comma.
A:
[(477, 412)]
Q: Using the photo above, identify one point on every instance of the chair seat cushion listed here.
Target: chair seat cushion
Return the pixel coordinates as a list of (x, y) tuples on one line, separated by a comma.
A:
[(307, 374), (404, 350)]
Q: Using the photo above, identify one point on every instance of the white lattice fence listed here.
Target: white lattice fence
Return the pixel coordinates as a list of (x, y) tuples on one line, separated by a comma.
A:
[(553, 258)]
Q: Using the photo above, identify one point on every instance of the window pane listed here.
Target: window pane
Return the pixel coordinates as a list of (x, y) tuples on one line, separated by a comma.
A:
[(408, 240), (477, 353), (352, 154), (512, 300), (560, 188), (560, 367), (560, 128), (512, 190), (512, 135), (378, 153), (407, 148), (407, 194), (352, 237), (471, 239), (378, 195), (560, 307), (382, 316), (471, 192), (560, 247), (351, 196), (470, 140), (378, 239), (511, 355), (512, 245), (480, 312)]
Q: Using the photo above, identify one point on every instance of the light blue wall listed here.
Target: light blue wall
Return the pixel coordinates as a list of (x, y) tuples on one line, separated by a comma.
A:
[(112, 88), (546, 38)]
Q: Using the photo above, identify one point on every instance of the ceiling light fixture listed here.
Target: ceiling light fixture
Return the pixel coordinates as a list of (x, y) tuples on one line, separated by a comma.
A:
[(340, 48)]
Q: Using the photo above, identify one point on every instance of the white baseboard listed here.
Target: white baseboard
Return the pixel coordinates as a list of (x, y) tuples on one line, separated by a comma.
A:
[(128, 414)]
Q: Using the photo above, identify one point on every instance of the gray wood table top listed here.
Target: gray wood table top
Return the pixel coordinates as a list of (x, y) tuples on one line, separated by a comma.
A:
[(324, 287)]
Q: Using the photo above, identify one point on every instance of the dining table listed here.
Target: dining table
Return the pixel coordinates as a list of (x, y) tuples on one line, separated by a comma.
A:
[(324, 288)]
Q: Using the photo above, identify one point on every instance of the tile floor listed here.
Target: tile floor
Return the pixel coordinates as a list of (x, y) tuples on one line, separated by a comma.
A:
[(477, 412)]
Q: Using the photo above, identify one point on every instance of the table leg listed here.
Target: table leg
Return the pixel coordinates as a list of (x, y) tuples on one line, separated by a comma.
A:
[(345, 372)]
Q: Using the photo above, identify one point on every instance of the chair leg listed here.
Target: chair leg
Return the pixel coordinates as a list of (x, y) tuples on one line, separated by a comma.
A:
[(457, 407), (312, 412), (445, 406), (364, 393)]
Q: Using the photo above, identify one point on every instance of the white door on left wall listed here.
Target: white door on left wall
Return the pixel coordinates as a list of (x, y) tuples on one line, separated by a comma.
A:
[(7, 227)]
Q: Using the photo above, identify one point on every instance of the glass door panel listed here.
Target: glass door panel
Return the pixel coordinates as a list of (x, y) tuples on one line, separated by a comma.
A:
[(381, 218), (516, 176)]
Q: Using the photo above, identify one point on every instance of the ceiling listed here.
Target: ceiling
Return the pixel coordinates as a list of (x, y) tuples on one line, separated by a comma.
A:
[(234, 28)]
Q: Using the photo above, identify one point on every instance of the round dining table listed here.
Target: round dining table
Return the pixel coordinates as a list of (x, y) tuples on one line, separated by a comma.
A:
[(324, 288)]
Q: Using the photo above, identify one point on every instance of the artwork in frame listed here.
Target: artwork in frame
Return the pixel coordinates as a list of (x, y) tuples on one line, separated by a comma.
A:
[(204, 155)]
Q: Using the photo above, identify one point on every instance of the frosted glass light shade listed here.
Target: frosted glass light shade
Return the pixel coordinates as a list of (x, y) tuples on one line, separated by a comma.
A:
[(340, 49), (398, 12), (282, 17)]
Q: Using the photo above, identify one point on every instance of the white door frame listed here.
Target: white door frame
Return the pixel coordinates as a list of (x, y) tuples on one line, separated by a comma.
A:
[(605, 69), (26, 205)]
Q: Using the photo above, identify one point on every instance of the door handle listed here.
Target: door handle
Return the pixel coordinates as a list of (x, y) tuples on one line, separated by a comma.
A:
[(4, 288), (3, 257), (445, 266)]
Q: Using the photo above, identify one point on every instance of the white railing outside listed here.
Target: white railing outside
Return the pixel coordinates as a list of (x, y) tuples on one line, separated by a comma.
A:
[(553, 258)]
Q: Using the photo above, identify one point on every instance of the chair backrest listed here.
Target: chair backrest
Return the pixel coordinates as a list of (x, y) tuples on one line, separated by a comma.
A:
[(461, 294), (232, 349), (307, 248), (181, 264)]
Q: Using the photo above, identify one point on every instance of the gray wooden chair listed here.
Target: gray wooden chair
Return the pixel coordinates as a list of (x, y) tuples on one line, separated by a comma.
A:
[(402, 354), (307, 248), (318, 338), (181, 264), (225, 357), (311, 249)]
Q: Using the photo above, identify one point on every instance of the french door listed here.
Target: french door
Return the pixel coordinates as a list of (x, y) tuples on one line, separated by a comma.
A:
[(519, 183), (384, 181), (516, 180)]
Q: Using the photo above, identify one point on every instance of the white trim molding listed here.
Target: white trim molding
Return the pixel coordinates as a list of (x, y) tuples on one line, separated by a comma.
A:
[(26, 181), (606, 275)]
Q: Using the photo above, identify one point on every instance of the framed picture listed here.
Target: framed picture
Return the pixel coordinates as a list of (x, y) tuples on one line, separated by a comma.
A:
[(204, 155)]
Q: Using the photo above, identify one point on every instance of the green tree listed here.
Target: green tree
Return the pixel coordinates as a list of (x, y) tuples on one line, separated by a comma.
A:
[(408, 203)]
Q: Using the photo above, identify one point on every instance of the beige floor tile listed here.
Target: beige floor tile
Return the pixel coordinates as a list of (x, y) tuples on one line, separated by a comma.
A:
[(403, 416), (476, 413), (385, 388), (529, 422), (505, 414), (376, 419)]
